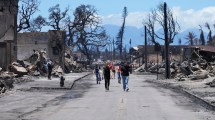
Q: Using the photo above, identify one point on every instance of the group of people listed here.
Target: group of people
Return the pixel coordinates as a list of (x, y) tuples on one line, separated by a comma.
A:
[(108, 72)]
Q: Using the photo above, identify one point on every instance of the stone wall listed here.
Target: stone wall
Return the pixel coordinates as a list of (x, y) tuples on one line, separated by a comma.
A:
[(29, 41)]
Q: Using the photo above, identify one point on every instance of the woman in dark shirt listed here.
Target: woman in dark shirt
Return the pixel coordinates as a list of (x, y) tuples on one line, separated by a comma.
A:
[(125, 76), (106, 73)]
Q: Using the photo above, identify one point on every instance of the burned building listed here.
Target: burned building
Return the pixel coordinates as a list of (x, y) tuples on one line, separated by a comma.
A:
[(8, 18), (199, 52), (177, 52), (53, 42), (138, 53)]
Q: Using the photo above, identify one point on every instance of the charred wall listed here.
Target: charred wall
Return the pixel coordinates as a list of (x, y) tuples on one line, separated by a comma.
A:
[(29, 41), (8, 18), (52, 41)]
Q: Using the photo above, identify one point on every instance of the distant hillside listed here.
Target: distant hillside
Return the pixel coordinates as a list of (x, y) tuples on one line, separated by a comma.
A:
[(132, 33), (183, 34), (137, 35)]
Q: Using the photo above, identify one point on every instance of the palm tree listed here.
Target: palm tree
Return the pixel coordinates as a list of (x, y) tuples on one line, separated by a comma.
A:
[(209, 34), (190, 38), (202, 38)]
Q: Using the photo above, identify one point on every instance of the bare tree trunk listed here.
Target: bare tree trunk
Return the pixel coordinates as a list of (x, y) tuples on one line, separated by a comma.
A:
[(167, 66), (146, 67)]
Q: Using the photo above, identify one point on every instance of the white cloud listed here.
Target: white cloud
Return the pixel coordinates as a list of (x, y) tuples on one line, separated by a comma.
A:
[(114, 19), (191, 18), (186, 18), (133, 19)]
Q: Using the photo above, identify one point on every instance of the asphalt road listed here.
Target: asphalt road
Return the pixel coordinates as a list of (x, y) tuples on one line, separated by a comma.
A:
[(89, 101)]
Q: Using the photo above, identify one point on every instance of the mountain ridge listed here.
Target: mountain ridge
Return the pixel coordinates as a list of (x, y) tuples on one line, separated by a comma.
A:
[(137, 34)]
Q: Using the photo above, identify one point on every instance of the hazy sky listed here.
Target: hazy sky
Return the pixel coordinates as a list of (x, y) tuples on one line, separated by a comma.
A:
[(189, 13)]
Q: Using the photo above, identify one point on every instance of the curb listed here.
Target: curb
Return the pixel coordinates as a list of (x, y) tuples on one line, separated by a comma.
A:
[(79, 79), (59, 88), (197, 99), (48, 88)]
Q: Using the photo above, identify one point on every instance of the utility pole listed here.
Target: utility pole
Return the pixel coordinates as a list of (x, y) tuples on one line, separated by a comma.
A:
[(130, 50), (167, 66), (109, 52), (98, 53), (113, 49), (146, 67), (125, 53)]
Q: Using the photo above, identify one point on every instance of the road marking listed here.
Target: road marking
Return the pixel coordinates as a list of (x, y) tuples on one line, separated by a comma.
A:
[(121, 109), (122, 100)]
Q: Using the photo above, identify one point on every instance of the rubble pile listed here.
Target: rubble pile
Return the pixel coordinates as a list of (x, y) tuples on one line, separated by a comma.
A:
[(192, 69), (57, 70), (35, 65), (18, 69), (70, 64), (6, 81), (21, 70)]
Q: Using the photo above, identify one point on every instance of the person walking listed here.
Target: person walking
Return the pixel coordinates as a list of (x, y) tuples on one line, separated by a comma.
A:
[(125, 76), (50, 66), (130, 68), (98, 77), (106, 72), (101, 73), (110, 65), (118, 74), (113, 71)]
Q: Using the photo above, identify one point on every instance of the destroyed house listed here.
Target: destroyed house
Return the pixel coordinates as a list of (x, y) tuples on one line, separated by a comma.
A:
[(174, 49), (175, 52), (53, 42), (199, 52)]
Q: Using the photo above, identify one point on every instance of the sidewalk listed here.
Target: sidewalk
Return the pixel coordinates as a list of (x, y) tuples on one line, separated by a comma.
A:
[(54, 83), (196, 89), (23, 99)]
